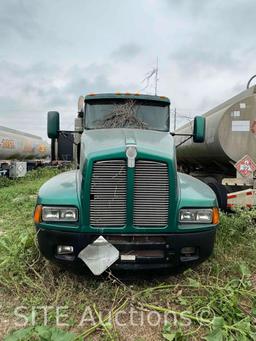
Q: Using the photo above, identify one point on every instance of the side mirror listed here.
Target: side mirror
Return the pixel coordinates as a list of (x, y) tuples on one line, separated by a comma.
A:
[(53, 124), (199, 129)]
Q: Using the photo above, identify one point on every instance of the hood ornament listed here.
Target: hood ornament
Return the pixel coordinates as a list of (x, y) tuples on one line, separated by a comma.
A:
[(131, 153)]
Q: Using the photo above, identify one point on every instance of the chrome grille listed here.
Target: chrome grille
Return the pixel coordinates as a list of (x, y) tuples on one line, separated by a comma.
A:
[(151, 194), (108, 194)]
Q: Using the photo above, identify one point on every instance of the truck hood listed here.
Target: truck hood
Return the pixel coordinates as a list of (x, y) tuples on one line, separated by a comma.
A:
[(62, 189), (105, 141), (195, 193)]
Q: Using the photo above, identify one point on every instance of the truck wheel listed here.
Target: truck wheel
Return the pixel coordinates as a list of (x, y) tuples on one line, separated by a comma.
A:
[(221, 194)]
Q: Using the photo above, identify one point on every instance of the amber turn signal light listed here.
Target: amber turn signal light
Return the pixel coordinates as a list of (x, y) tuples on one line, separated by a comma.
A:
[(38, 214), (215, 216)]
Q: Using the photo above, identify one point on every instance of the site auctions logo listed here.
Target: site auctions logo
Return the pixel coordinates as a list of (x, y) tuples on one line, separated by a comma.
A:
[(246, 166), (59, 316)]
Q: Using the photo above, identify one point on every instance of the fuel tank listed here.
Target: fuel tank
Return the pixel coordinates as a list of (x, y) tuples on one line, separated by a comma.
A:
[(17, 145)]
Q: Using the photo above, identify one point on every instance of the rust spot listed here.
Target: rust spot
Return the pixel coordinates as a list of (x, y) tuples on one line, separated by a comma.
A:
[(8, 144), (42, 148), (253, 127)]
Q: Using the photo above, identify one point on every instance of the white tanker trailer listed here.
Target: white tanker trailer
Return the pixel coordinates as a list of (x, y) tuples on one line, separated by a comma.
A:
[(17, 149), (226, 161)]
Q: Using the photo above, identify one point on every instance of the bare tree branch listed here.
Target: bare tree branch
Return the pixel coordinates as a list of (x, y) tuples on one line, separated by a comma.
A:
[(123, 116)]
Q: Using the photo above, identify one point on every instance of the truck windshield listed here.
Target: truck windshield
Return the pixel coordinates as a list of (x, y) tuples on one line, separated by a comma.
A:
[(140, 114)]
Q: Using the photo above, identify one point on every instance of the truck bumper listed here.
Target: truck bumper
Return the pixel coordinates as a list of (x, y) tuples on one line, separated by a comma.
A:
[(150, 251)]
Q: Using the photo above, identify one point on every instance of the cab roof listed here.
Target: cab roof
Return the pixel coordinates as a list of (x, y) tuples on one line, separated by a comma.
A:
[(127, 95)]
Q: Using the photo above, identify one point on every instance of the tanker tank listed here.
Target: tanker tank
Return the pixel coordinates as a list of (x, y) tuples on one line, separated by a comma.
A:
[(230, 135), (17, 145)]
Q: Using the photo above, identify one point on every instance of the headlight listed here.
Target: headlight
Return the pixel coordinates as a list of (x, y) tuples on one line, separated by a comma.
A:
[(68, 214), (196, 215)]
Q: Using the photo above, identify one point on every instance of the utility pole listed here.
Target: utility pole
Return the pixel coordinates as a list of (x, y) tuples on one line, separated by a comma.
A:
[(174, 119), (156, 76)]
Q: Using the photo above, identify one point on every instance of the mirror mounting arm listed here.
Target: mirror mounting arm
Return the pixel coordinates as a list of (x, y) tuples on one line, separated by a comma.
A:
[(188, 138), (174, 134), (68, 131)]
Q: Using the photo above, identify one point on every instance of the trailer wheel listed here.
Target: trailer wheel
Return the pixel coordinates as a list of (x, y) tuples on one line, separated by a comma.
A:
[(221, 194)]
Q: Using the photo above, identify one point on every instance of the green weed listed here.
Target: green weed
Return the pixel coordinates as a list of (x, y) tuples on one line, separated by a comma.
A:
[(218, 297)]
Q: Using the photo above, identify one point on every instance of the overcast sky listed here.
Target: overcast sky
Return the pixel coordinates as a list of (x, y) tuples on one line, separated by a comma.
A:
[(52, 51)]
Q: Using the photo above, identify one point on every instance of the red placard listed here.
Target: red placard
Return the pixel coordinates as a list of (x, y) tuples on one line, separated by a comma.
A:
[(246, 166)]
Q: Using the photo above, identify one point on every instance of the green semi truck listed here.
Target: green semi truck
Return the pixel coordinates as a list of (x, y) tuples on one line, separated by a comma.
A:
[(125, 206)]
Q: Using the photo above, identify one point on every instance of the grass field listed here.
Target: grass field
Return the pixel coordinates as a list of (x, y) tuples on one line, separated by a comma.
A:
[(215, 301)]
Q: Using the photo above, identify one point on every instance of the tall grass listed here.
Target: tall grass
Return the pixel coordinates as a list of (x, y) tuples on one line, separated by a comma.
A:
[(218, 296)]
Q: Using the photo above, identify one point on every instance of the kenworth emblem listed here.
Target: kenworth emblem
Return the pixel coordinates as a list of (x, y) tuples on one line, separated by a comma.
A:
[(131, 153)]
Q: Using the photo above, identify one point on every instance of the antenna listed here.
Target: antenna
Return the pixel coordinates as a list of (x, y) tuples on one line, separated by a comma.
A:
[(148, 77)]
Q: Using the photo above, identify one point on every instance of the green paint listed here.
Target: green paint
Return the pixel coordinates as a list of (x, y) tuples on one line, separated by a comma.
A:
[(73, 188), (130, 198), (53, 124), (199, 129)]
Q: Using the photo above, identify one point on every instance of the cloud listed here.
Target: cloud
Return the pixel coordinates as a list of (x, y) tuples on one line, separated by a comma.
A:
[(28, 92), (126, 52), (18, 19), (51, 54), (214, 34)]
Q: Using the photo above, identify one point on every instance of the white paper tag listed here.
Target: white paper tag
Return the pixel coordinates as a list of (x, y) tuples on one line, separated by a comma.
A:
[(128, 257)]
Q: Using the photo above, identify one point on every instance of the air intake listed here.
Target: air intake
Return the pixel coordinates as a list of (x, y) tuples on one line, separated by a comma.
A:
[(151, 194), (108, 194)]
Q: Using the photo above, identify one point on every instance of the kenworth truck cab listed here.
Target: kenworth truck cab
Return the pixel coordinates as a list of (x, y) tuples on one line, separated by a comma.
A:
[(126, 206)]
